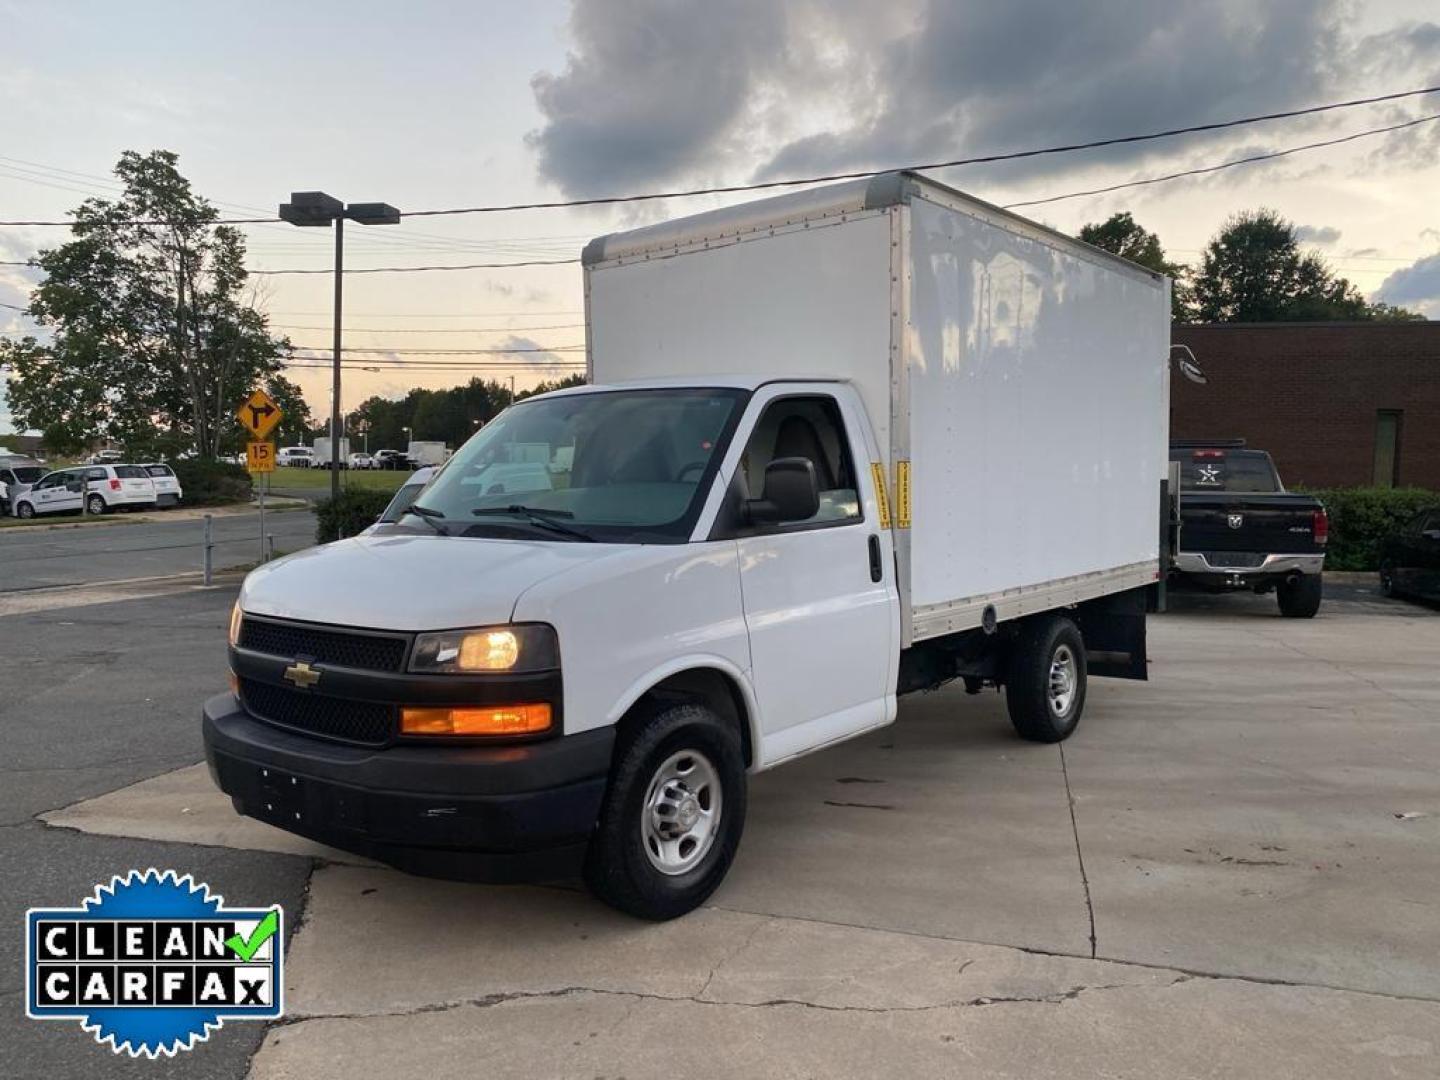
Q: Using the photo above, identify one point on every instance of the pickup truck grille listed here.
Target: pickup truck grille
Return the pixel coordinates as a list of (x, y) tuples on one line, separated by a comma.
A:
[(368, 722), (1245, 559), (369, 652)]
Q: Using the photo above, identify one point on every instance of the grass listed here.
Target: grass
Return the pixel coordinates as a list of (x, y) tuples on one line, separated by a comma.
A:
[(318, 480)]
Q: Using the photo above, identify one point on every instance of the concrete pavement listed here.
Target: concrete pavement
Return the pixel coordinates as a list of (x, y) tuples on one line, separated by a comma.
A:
[(1255, 842)]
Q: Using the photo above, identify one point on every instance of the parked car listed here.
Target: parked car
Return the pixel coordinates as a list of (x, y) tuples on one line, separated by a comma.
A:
[(1241, 530), (294, 457), (361, 461), (105, 457), (15, 480), (167, 484), (391, 459), (95, 488), (1410, 557)]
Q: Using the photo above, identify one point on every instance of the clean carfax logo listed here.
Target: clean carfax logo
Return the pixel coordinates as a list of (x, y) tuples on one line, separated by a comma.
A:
[(152, 962)]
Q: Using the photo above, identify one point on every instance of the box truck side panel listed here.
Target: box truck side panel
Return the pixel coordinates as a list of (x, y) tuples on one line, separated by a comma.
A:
[(1037, 404), (806, 300)]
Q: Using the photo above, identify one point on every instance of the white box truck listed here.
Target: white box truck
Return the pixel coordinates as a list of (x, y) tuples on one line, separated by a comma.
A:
[(422, 453), (322, 458), (838, 446)]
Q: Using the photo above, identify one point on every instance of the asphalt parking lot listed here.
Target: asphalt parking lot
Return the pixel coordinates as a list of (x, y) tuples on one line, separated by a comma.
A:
[(1233, 869)]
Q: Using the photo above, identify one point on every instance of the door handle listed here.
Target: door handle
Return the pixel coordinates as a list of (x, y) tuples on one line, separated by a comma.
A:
[(877, 570)]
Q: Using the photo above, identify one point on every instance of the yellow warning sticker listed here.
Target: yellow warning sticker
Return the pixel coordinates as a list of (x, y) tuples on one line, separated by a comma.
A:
[(902, 494), (882, 500)]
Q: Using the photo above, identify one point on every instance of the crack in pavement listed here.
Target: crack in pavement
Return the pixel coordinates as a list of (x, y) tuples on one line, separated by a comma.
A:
[(1059, 997), (1079, 856)]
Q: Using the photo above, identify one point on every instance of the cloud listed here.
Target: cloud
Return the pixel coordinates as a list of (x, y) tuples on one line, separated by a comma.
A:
[(1316, 234), (1416, 286), (656, 92)]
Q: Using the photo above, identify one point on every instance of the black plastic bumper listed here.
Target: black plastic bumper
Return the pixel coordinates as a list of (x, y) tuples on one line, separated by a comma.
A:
[(475, 813)]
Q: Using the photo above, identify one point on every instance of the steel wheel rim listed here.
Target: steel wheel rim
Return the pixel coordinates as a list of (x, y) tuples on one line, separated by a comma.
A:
[(1060, 688), (681, 815)]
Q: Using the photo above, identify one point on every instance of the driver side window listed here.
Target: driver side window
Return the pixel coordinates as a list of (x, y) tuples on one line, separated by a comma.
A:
[(811, 428)]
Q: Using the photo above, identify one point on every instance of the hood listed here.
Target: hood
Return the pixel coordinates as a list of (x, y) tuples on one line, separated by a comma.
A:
[(411, 582)]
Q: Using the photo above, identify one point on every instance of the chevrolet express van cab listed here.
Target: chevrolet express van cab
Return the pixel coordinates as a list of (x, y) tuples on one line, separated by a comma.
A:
[(838, 446)]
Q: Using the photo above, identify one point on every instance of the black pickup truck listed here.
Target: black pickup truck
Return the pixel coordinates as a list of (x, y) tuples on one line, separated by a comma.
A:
[(1240, 528)]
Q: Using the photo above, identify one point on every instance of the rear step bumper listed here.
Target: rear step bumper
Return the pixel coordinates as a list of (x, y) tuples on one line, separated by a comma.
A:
[(1196, 562)]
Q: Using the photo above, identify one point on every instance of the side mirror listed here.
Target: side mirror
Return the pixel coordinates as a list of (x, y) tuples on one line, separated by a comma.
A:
[(791, 493)]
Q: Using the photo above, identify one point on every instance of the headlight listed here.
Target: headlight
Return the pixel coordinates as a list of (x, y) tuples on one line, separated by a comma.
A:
[(235, 617), (522, 648)]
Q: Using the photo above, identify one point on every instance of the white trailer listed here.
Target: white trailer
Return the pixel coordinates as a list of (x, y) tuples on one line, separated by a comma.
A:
[(324, 459), (422, 453), (1017, 380)]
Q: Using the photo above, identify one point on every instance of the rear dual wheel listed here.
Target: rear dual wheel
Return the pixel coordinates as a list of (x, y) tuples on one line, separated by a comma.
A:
[(1045, 680)]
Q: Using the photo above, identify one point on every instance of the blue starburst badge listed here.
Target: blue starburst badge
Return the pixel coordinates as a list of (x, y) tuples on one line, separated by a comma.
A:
[(152, 963)]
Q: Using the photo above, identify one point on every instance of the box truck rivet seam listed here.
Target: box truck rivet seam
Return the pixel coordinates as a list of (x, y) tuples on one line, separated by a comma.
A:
[(616, 601)]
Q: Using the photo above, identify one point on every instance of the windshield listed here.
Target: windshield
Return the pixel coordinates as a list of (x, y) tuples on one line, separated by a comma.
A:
[(1227, 470), (28, 475), (617, 465)]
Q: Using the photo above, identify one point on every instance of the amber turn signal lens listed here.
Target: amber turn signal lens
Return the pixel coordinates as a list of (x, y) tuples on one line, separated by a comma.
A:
[(483, 720)]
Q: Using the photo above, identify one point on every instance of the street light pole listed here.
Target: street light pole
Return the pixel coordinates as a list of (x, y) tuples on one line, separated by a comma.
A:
[(319, 209), (335, 374)]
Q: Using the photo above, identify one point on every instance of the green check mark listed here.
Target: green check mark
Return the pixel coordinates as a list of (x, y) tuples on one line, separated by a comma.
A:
[(245, 948)]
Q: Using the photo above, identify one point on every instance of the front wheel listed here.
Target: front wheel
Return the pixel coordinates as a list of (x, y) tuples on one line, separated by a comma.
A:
[(25, 510), (1299, 597), (1045, 680), (672, 816)]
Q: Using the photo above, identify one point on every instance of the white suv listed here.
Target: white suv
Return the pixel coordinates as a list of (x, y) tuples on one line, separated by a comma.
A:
[(167, 484), (289, 456), (103, 487)]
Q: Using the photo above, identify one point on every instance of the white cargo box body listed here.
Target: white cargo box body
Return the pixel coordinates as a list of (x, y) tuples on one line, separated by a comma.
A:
[(1017, 377)]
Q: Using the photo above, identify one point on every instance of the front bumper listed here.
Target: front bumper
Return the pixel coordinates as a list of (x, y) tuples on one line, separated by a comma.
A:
[(521, 812)]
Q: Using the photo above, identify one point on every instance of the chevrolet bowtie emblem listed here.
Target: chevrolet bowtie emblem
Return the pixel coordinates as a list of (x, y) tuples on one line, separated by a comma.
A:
[(302, 675)]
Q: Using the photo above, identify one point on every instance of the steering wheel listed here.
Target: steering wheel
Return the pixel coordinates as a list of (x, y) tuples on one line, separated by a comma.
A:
[(694, 466)]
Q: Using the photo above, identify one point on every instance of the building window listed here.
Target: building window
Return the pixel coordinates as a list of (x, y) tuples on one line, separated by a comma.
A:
[(1387, 447)]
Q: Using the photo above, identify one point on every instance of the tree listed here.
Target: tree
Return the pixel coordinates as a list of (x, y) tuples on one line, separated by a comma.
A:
[(154, 339), (1254, 271), (1121, 235)]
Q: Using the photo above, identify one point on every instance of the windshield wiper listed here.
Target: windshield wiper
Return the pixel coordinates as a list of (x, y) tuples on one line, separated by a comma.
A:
[(430, 517), (545, 519)]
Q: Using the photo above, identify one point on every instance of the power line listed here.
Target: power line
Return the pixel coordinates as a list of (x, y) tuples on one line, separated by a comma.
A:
[(418, 269), (444, 352), (983, 159), (1224, 165), (430, 329)]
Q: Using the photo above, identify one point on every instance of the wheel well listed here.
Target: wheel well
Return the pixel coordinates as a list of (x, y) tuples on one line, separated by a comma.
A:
[(707, 686)]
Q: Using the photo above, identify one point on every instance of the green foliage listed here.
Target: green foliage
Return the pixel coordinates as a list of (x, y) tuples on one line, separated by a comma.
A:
[(207, 482), (1254, 271), (354, 510), (155, 333), (1121, 235), (451, 415), (1361, 517)]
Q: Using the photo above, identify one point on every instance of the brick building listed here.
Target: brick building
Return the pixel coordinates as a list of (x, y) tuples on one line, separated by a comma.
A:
[(1337, 404)]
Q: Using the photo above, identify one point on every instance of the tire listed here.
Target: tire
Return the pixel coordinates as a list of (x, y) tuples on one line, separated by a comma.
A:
[(1300, 598), (1387, 582), (24, 510), (701, 755), (94, 504), (1041, 710)]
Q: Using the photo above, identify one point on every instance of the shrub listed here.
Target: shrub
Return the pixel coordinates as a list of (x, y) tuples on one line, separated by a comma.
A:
[(355, 509), (1361, 517), (206, 482)]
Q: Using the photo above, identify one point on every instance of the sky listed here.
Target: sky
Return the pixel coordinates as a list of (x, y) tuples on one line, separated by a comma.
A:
[(434, 104)]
